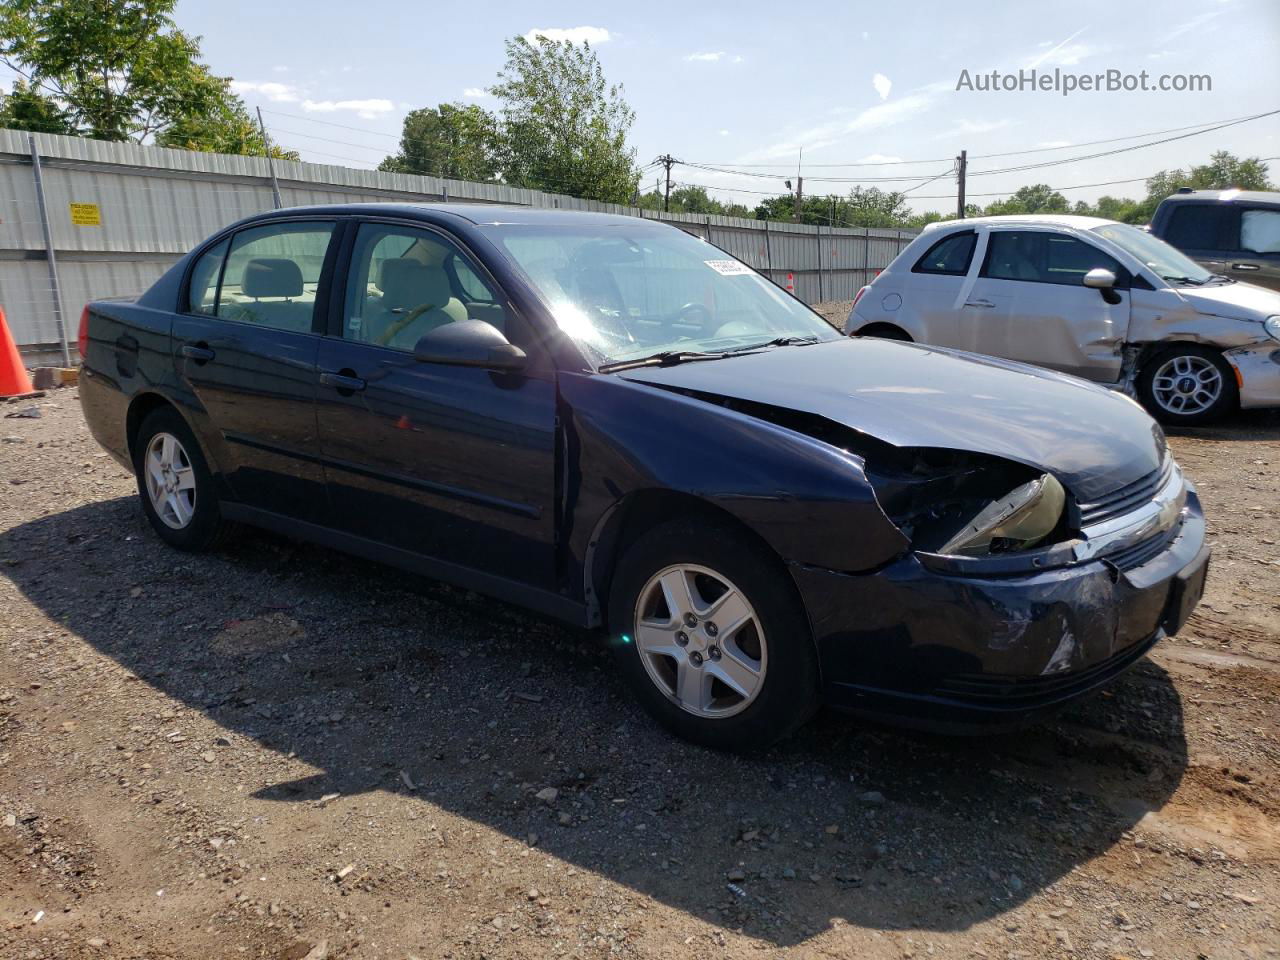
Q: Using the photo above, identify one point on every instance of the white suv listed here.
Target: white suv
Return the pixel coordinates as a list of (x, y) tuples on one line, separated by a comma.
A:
[(1091, 297)]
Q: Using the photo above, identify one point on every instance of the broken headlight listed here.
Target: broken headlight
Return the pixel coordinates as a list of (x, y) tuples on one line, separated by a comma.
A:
[(1022, 518)]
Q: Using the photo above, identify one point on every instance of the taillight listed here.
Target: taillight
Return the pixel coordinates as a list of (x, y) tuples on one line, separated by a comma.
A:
[(82, 342), (858, 296)]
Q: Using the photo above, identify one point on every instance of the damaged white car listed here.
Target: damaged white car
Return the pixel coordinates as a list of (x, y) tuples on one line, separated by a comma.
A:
[(1091, 297)]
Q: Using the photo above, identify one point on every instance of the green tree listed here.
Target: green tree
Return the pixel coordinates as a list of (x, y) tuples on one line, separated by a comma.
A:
[(25, 109), (452, 140), (227, 127), (119, 70), (564, 128), (1037, 198)]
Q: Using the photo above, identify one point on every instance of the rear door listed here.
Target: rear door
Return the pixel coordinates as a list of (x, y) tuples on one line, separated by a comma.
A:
[(451, 462), (1040, 311), (1209, 233), (246, 347)]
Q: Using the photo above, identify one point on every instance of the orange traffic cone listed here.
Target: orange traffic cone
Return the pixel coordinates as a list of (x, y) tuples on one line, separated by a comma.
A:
[(14, 381)]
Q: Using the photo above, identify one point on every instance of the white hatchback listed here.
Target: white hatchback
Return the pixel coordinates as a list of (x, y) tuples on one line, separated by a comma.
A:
[(1095, 298)]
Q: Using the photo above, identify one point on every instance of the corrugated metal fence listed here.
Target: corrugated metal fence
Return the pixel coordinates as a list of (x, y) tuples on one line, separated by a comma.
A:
[(118, 214)]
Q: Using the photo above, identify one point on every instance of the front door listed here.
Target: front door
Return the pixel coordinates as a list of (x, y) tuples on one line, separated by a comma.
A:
[(455, 463), (1029, 303), (246, 347)]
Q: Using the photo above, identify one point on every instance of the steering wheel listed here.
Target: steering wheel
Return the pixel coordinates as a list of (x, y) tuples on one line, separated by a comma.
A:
[(694, 314), (394, 328)]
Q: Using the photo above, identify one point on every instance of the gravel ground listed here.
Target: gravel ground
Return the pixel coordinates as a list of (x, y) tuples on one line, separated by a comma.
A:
[(280, 751)]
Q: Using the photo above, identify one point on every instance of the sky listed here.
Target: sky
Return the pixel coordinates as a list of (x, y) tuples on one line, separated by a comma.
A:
[(768, 88)]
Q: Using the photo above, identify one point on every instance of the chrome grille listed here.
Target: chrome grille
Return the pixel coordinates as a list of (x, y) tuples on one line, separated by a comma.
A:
[(1128, 497)]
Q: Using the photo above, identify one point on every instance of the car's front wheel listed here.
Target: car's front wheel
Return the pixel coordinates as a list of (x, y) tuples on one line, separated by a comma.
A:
[(174, 483), (710, 635), (1187, 385)]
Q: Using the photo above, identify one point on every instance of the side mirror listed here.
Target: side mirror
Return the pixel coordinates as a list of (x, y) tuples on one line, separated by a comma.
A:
[(1104, 281), (469, 343), (1100, 278)]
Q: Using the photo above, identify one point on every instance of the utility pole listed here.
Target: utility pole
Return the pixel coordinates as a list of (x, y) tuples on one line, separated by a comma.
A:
[(799, 198), (667, 161), (271, 163), (962, 163)]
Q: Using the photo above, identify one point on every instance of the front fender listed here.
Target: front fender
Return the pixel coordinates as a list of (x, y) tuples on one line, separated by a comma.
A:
[(810, 501)]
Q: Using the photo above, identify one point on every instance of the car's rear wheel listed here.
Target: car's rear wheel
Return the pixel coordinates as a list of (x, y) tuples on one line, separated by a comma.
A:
[(885, 331), (1187, 385), (711, 637), (175, 484)]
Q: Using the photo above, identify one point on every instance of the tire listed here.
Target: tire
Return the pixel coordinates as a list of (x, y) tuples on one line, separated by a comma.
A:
[(187, 516), (1187, 385), (773, 644), (885, 331)]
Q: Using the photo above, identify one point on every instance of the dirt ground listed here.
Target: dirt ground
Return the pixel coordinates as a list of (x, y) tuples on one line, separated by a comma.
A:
[(278, 751)]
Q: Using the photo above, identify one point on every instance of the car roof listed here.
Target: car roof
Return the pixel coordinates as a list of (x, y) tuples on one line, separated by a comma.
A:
[(480, 214), (1034, 219), (1225, 196)]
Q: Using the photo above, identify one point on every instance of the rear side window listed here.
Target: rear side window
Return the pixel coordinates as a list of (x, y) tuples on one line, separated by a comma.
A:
[(950, 256), (202, 291), (1260, 231), (272, 273), (1041, 257), (1203, 226)]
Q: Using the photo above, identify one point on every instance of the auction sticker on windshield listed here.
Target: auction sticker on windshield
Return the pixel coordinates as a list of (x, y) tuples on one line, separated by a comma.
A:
[(729, 268)]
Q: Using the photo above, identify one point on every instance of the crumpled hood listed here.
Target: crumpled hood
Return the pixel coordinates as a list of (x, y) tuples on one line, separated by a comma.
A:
[(1244, 301), (910, 395)]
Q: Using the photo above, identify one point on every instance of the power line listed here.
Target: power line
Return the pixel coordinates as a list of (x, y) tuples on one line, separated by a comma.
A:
[(983, 156)]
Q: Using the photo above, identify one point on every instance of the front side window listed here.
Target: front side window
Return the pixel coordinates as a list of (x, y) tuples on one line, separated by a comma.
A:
[(949, 256), (1037, 256), (1260, 231), (405, 282), (1204, 226), (272, 273), (627, 291)]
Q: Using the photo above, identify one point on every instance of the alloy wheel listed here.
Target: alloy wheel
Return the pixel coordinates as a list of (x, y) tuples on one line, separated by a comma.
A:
[(171, 483), (1187, 384), (700, 640)]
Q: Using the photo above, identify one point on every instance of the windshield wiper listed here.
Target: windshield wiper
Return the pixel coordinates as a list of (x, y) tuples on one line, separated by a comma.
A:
[(779, 342), (666, 358), (1194, 283), (1223, 277)]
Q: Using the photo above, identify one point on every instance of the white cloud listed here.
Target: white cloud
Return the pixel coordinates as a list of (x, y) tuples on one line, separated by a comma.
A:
[(882, 84), (280, 69), (593, 35), (879, 158), (1065, 53), (704, 57), (724, 133), (365, 109), (736, 59), (865, 35), (275, 92), (1160, 55), (1052, 144), (969, 128), (1195, 23), (475, 93)]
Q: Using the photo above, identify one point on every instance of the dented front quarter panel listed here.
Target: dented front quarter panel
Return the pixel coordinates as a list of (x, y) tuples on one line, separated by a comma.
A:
[(1259, 367), (1166, 315), (810, 501)]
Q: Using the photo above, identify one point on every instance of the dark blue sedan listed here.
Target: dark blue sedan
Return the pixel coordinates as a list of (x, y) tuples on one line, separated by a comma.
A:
[(611, 422)]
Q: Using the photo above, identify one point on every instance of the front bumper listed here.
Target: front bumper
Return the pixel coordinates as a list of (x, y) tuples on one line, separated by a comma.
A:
[(1258, 369), (961, 653)]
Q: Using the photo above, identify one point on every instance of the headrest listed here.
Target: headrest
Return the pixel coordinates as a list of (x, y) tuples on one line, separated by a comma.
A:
[(406, 283), (271, 277)]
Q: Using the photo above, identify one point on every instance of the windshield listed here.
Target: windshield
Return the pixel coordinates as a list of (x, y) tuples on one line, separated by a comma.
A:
[(1166, 261), (628, 292)]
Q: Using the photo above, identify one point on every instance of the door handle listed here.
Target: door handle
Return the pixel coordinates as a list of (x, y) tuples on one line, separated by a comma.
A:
[(341, 382), (197, 352), (985, 304), (1245, 266)]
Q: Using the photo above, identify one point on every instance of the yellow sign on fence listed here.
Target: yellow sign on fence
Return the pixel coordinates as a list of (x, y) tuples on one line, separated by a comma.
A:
[(86, 215)]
